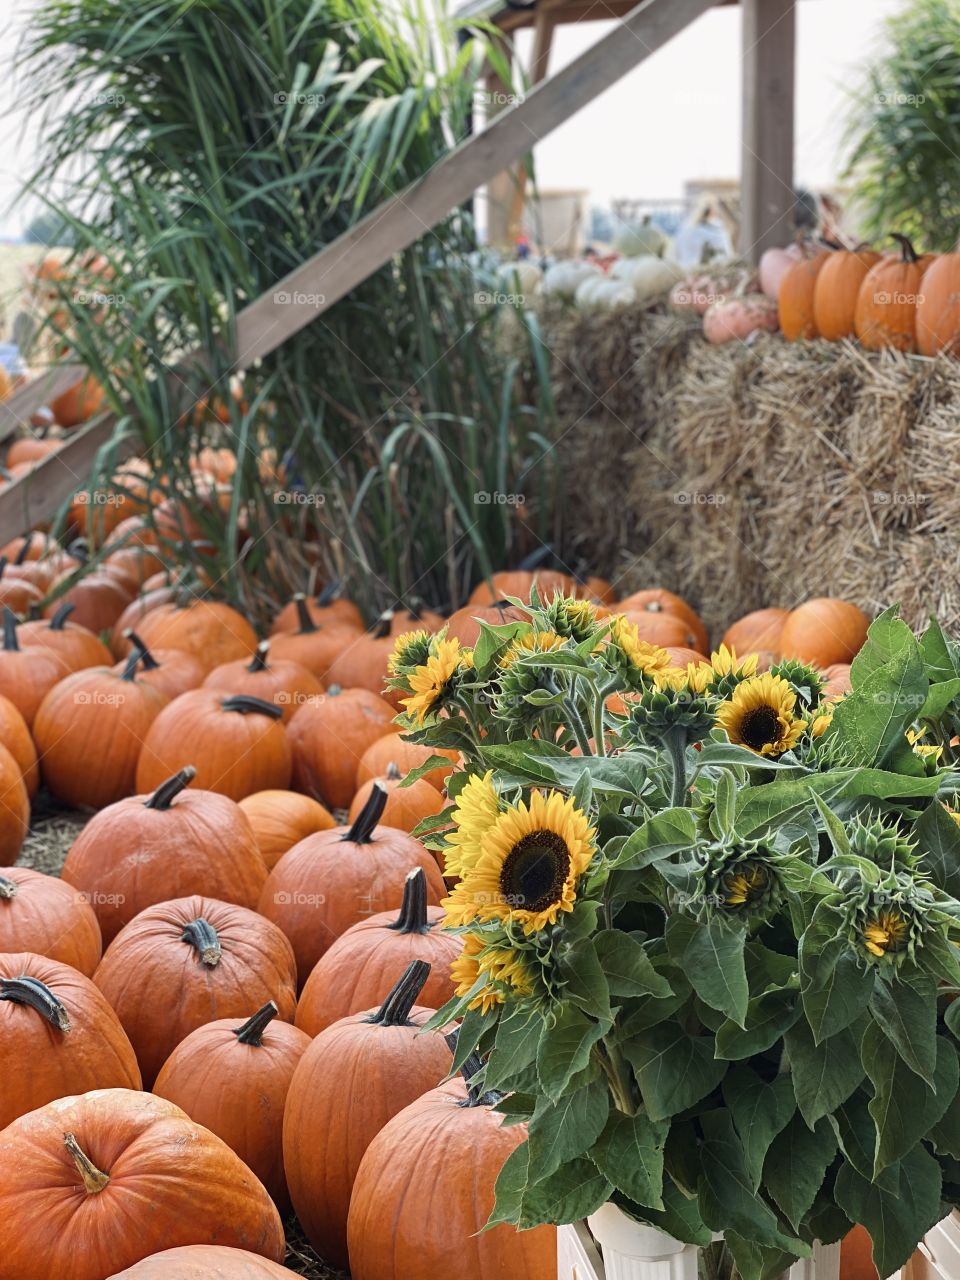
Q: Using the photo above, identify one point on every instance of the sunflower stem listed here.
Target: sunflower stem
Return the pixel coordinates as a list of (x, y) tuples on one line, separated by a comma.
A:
[(619, 1078), (579, 728), (675, 741)]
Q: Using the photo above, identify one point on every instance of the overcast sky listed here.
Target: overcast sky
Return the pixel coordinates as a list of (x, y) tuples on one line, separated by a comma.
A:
[(677, 116)]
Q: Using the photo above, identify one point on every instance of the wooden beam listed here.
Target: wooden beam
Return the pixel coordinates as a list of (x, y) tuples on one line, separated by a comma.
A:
[(310, 290), (15, 411), (293, 302), (543, 30), (767, 199)]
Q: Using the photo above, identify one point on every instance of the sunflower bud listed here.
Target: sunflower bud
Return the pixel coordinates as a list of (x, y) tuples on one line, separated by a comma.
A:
[(804, 680), (670, 706), (741, 880), (884, 845), (576, 620), (886, 923)]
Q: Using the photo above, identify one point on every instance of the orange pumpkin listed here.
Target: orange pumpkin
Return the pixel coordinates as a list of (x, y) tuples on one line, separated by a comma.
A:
[(109, 1168), (17, 592), (887, 302), (149, 599), (397, 1227), (234, 1081), (362, 663), (78, 403), (172, 671), (98, 600), (171, 844), (837, 289), (464, 625), (14, 809), (76, 645), (281, 819), (280, 681), (238, 743), (938, 308), (838, 680), (202, 1262), (182, 963), (213, 632), (89, 731), (15, 736), (664, 629), (353, 1078), (656, 600), (824, 631), (315, 645), (406, 805), (756, 632), (58, 1035), (400, 621), (27, 675), (367, 959), (327, 608), (392, 748), (44, 915), (336, 878), (795, 299), (328, 738), (520, 583)]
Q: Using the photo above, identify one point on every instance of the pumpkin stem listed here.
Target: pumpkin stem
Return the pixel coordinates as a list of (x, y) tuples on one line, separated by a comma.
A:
[(907, 251), (393, 772), (24, 550), (130, 670), (36, 995), (8, 888), (334, 690), (59, 619), (307, 625), (362, 830), (146, 657), (203, 936), (413, 909), (94, 1179), (252, 1030), (3, 565), (168, 791), (246, 704), (381, 627), (328, 594), (470, 1068), (259, 660), (10, 642), (395, 1010), (535, 559)]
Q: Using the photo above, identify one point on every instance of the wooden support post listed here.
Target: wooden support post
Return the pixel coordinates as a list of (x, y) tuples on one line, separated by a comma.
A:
[(543, 29), (500, 187), (767, 200)]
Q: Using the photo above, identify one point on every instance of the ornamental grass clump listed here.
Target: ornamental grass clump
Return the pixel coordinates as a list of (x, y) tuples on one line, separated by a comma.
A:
[(710, 927)]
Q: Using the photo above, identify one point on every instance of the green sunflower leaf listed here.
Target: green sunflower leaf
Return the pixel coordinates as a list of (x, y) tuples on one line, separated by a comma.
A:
[(796, 1163), (906, 1011), (824, 1075), (769, 1016), (713, 960), (889, 689), (894, 1220), (756, 1261), (674, 1070), (669, 832), (574, 1190), (518, 1038), (562, 1130), (903, 1107), (760, 1111), (938, 839), (629, 1153), (629, 970), (835, 988), (565, 1048)]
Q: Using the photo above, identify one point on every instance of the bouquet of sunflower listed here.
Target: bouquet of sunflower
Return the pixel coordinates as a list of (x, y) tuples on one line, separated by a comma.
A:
[(711, 928)]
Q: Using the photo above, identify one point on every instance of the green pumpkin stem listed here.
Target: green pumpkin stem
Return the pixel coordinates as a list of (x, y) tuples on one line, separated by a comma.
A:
[(3, 565), (328, 594), (10, 641), (535, 559), (35, 995), (381, 627), (247, 705), (94, 1179), (130, 670), (252, 1030), (907, 251), (395, 1010), (362, 830), (24, 550), (203, 936), (259, 660), (413, 910), (8, 888), (470, 1068), (307, 625), (146, 657), (168, 791), (59, 620)]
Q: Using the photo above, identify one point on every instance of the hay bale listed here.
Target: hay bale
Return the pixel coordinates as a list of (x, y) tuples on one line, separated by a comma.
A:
[(762, 473)]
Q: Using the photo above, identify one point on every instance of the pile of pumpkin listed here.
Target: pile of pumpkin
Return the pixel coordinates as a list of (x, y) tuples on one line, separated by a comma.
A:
[(266, 968)]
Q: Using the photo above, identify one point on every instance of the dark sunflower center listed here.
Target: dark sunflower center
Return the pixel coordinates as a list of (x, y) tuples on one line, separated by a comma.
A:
[(760, 727), (534, 871)]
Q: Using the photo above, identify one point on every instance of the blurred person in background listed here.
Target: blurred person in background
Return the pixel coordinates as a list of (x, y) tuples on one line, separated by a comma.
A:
[(703, 236)]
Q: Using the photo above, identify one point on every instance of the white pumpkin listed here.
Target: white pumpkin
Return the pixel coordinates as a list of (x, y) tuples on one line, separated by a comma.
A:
[(636, 238), (520, 277), (562, 278), (603, 294), (649, 276)]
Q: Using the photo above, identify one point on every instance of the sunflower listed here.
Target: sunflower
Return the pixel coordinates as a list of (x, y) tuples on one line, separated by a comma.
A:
[(639, 656), (926, 750), (759, 715), (885, 932), (504, 969), (530, 860), (410, 651), (724, 662), (820, 724), (476, 811), (694, 679), (430, 682), (531, 642), (573, 619), (746, 884)]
